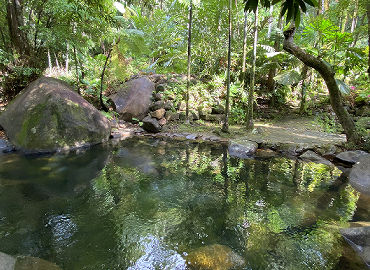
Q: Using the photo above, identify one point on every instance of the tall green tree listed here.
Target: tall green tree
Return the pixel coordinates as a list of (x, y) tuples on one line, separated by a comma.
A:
[(225, 126), (249, 118), (189, 59)]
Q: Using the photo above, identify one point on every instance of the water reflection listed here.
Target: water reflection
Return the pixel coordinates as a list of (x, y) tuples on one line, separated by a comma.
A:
[(154, 202)]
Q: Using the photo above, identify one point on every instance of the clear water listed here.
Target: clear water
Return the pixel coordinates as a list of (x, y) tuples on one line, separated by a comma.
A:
[(149, 204)]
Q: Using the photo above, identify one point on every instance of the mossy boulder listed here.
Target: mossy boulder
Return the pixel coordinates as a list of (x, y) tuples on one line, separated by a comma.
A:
[(48, 116)]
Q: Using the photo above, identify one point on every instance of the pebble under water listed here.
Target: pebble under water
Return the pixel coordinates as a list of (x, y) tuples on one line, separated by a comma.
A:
[(152, 204)]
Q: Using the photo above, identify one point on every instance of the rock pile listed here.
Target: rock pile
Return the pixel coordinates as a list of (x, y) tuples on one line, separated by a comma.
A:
[(160, 111)]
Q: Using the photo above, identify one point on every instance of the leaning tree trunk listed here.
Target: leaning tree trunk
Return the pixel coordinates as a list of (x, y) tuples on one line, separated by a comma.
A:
[(225, 126), (327, 74)]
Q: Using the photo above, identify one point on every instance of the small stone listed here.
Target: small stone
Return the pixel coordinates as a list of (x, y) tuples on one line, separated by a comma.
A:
[(158, 96), (312, 156), (192, 136), (172, 116), (168, 105), (351, 156), (242, 150), (171, 97), (151, 125), (157, 105), (162, 121), (158, 113)]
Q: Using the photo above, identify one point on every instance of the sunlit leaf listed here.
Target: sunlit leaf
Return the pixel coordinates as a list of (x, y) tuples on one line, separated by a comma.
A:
[(288, 77), (343, 87)]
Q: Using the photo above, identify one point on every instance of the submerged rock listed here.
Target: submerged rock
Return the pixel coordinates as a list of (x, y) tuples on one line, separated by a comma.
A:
[(33, 263), (48, 116), (214, 257), (359, 176), (7, 262), (242, 149), (5, 146), (133, 99), (359, 239)]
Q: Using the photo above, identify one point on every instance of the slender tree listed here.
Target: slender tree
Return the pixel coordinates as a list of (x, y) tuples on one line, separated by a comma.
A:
[(368, 33), (244, 46), (189, 59), (249, 118), (225, 126)]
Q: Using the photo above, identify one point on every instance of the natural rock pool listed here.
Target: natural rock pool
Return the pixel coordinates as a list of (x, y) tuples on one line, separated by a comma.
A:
[(152, 204)]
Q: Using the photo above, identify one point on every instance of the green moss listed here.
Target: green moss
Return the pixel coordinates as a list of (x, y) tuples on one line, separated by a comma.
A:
[(31, 121)]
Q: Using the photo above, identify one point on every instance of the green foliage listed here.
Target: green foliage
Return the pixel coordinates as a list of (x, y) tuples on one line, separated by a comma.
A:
[(328, 123)]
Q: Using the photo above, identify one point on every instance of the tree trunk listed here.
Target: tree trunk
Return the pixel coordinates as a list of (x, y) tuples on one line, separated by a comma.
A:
[(67, 58), (357, 34), (56, 60), (76, 66), (270, 21), (327, 74), (303, 89), (368, 33), (15, 20), (344, 22), (272, 71), (354, 18), (244, 46), (49, 61), (102, 80), (189, 60), (225, 126), (249, 119)]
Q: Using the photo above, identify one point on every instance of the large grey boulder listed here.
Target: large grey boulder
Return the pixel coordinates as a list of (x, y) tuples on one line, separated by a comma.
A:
[(49, 116), (359, 176), (242, 149), (133, 99)]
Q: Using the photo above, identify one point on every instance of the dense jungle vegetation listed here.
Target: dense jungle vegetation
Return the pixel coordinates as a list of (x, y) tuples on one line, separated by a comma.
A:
[(270, 55)]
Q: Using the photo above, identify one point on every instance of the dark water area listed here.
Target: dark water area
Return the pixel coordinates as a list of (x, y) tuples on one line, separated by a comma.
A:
[(151, 204)]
